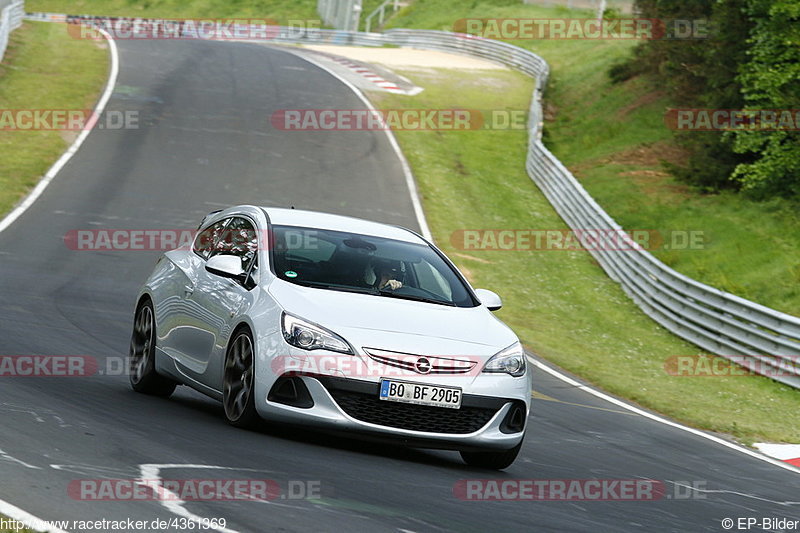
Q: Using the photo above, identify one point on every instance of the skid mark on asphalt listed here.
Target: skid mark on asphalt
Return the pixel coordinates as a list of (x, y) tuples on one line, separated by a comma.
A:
[(683, 485), (37, 415), (101, 472)]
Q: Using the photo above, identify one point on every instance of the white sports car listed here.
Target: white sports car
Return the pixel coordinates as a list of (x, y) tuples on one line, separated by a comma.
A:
[(333, 322)]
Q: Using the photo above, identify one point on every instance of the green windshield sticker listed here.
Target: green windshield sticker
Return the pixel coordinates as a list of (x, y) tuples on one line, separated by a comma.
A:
[(290, 274)]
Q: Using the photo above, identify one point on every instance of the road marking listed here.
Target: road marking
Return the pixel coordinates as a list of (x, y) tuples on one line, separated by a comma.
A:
[(152, 472), (789, 453), (6, 457), (12, 511), (72, 150)]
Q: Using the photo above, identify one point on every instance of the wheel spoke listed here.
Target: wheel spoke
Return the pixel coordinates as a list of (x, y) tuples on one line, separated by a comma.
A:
[(141, 343), (237, 385)]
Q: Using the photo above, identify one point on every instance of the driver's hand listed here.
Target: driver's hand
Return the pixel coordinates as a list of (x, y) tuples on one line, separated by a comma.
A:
[(393, 285)]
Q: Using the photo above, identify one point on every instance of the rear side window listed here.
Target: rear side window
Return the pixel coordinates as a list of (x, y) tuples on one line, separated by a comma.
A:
[(238, 238), (206, 240)]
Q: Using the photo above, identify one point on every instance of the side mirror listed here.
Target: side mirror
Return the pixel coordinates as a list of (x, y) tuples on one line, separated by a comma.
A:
[(227, 266), (490, 299)]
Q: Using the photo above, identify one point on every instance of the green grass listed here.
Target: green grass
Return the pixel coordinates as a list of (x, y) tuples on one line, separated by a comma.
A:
[(279, 10), (6, 520), (562, 305), (44, 68), (613, 138)]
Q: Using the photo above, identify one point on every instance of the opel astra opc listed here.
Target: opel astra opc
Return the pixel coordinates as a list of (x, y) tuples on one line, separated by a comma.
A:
[(336, 323)]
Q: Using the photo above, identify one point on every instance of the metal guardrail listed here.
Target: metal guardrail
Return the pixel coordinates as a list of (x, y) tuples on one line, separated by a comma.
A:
[(11, 13), (763, 339)]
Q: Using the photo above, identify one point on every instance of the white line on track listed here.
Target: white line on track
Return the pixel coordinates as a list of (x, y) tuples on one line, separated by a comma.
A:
[(73, 149), (4, 456), (152, 472)]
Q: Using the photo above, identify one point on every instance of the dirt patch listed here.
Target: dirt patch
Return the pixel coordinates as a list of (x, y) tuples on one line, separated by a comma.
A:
[(408, 57), (549, 111), (69, 136), (641, 101), (651, 181), (471, 258), (650, 155)]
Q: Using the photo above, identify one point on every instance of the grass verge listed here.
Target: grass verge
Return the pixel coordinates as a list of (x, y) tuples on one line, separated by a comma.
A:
[(282, 11), (614, 139), (8, 521), (561, 303), (279, 10), (44, 68)]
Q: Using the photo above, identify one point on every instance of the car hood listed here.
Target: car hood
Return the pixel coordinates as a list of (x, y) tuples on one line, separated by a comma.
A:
[(395, 324)]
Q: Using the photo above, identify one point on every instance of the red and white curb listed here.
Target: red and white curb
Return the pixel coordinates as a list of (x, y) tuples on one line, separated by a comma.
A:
[(364, 72), (789, 453)]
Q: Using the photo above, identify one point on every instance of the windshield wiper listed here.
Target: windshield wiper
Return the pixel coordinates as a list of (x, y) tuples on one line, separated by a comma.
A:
[(321, 285), (391, 294)]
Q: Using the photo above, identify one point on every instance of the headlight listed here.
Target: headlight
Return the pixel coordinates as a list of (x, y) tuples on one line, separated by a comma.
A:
[(308, 336), (509, 361)]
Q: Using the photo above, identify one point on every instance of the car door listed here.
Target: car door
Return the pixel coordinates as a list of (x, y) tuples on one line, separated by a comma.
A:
[(177, 322), (216, 302)]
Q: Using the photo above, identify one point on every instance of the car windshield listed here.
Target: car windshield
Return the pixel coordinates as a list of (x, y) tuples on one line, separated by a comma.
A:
[(351, 262)]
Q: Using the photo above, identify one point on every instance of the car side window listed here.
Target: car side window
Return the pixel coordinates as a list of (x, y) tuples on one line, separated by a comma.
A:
[(206, 240), (239, 238)]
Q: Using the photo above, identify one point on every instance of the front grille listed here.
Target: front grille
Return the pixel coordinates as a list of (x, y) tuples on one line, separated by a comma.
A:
[(422, 364), (366, 406)]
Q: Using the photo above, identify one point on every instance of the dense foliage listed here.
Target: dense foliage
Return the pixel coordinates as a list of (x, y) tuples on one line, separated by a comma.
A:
[(748, 59)]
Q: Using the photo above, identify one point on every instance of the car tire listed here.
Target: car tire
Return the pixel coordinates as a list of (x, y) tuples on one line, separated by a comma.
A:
[(492, 460), (143, 375), (238, 385)]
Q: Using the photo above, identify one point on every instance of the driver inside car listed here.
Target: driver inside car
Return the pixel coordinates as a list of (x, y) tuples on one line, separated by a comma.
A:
[(387, 274)]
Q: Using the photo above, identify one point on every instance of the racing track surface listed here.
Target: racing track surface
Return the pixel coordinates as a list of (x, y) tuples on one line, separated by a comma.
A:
[(205, 142)]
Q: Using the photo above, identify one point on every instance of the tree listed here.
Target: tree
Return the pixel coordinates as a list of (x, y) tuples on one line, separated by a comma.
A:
[(771, 80)]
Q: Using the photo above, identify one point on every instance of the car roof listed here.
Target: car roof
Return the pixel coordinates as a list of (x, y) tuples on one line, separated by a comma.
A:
[(314, 219)]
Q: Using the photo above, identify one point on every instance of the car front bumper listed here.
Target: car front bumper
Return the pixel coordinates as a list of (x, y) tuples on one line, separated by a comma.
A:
[(345, 405)]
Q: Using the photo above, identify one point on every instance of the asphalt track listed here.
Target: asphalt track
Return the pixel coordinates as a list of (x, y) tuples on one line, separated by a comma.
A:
[(205, 142)]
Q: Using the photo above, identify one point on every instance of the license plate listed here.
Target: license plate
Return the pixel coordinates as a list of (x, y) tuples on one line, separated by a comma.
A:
[(420, 394)]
